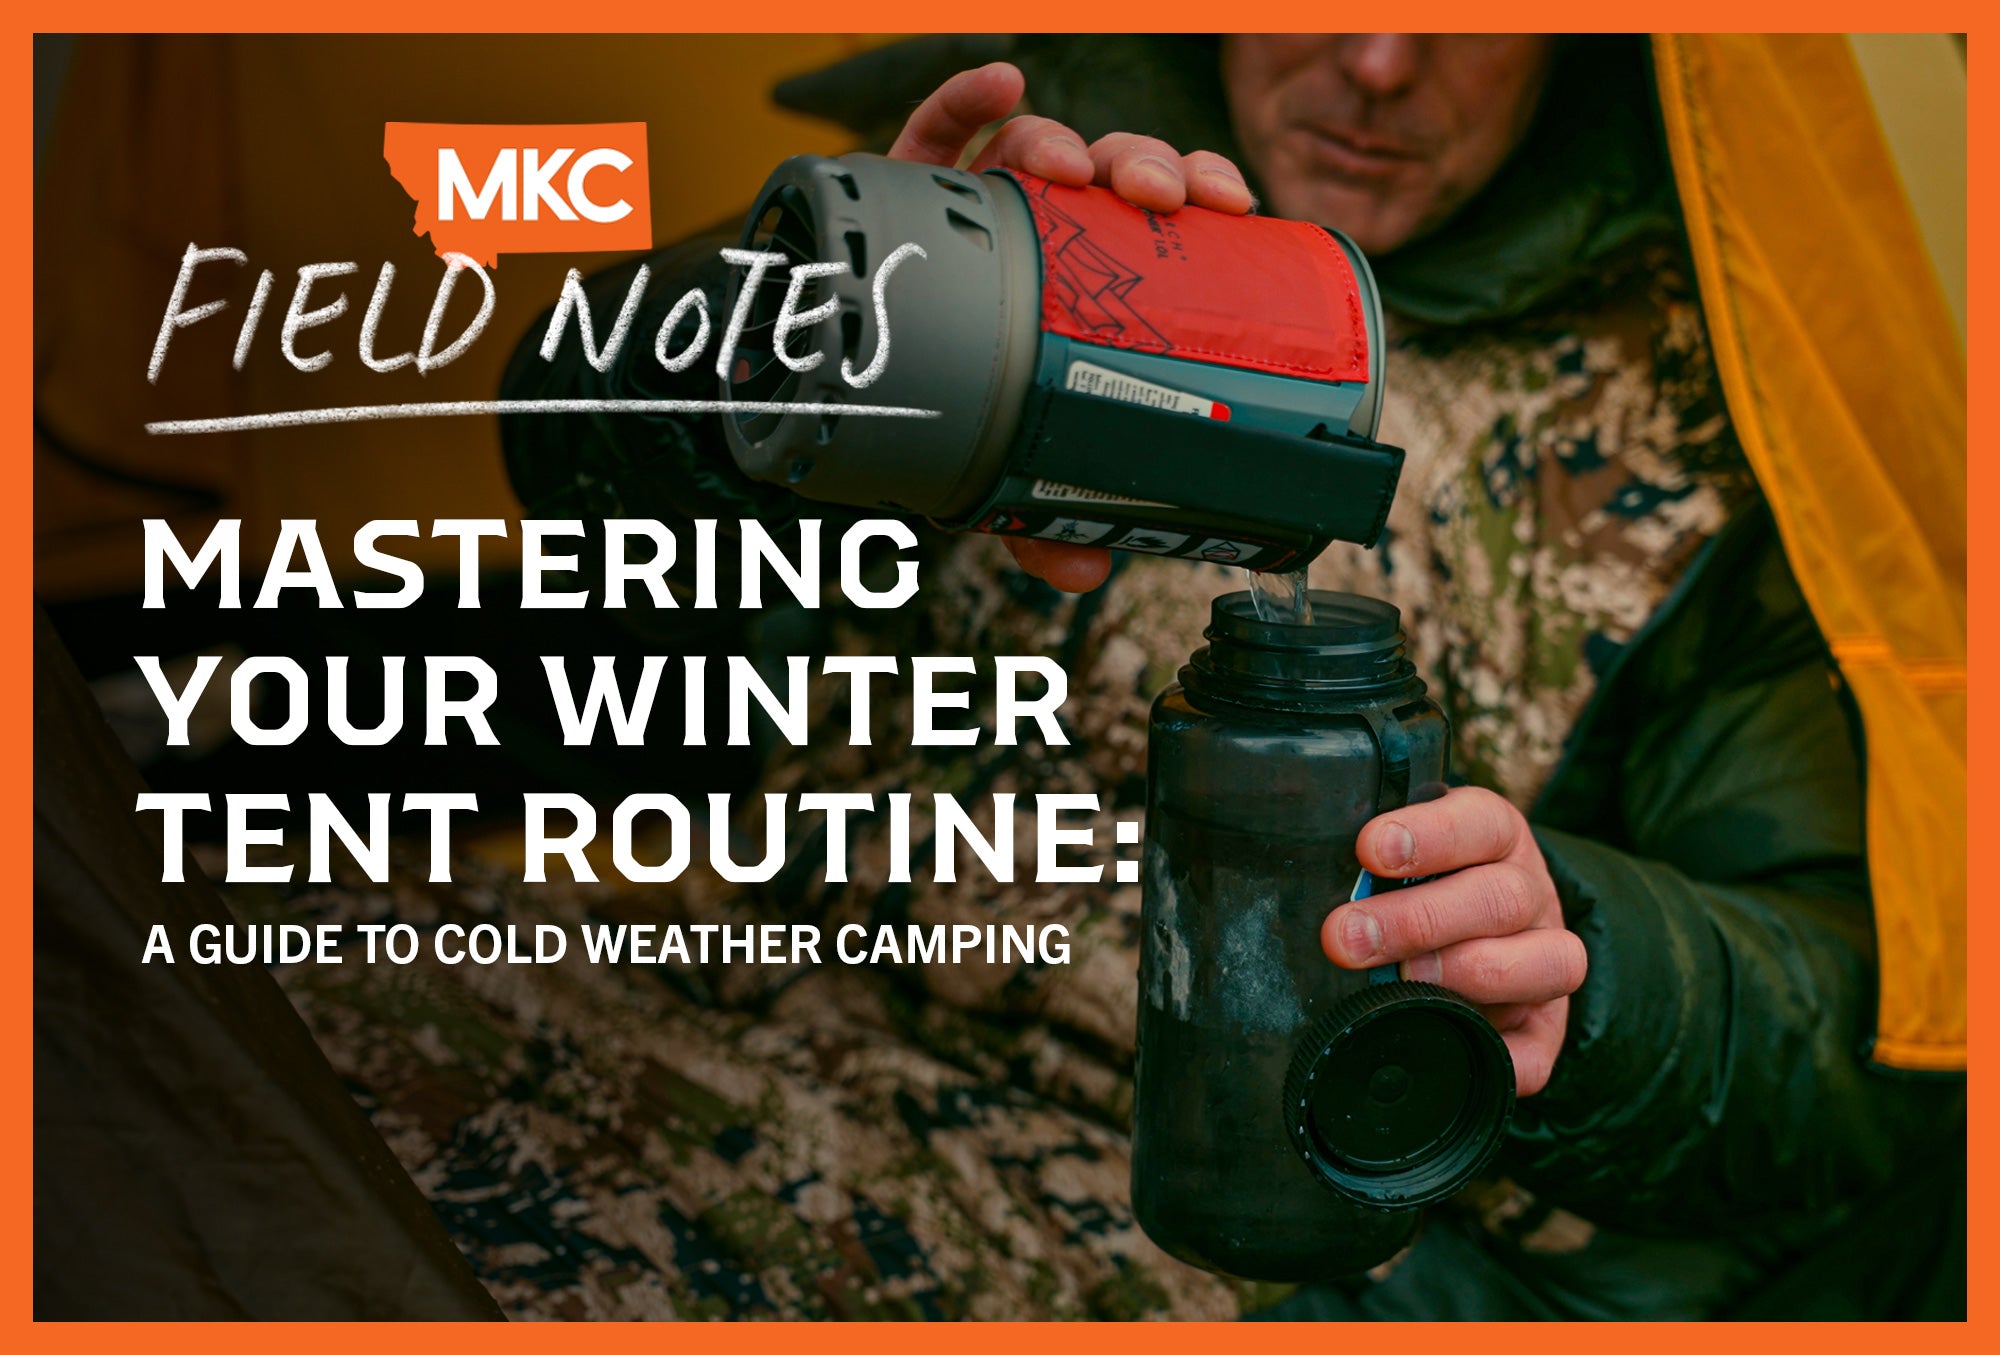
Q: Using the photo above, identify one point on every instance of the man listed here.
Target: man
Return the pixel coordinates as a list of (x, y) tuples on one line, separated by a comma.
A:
[(1678, 951)]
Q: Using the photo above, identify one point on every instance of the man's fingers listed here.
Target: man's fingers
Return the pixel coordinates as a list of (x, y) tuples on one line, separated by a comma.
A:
[(1214, 182), (1527, 967), (944, 124), (1534, 1045), (1143, 170), (1073, 569), (1042, 147), (1467, 827), (1510, 1017), (1491, 900)]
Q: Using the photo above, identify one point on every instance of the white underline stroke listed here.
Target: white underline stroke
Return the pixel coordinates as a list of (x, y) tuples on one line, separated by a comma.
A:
[(438, 409)]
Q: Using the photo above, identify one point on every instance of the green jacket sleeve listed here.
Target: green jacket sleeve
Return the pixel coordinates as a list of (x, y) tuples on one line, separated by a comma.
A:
[(1715, 1071)]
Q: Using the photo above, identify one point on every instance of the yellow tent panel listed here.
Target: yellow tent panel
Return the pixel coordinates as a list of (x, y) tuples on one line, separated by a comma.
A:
[(1844, 375)]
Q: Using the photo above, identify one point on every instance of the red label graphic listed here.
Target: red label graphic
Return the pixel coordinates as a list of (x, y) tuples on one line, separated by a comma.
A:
[(1256, 292), (489, 189)]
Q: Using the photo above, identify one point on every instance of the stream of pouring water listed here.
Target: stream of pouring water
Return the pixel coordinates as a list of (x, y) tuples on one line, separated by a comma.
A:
[(1281, 596)]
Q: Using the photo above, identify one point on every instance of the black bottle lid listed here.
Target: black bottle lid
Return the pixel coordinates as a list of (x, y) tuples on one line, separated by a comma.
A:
[(1399, 1094), (1351, 650)]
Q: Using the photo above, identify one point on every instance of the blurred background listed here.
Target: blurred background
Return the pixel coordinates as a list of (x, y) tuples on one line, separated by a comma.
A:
[(273, 145)]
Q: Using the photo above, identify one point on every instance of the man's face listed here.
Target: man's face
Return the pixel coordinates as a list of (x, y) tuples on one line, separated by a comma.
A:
[(1383, 136)]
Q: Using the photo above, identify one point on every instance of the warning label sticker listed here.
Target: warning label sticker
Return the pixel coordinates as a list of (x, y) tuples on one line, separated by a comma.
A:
[(1075, 530), (1087, 378), (1151, 540), (1223, 551)]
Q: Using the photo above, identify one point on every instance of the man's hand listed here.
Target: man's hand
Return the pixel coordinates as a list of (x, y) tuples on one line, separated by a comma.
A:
[(1491, 931), (1143, 170)]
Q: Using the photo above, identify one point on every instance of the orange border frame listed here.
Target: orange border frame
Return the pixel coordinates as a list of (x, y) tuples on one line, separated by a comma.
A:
[(17, 564)]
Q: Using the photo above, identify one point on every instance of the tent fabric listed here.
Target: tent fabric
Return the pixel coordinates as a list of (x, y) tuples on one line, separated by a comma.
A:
[(1846, 382), (196, 1157)]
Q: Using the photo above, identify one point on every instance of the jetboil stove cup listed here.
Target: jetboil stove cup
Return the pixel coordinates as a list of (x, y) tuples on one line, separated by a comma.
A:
[(1190, 384), (1290, 1117)]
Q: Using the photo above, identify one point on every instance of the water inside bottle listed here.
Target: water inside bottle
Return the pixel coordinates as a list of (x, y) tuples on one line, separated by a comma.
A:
[(1281, 596)]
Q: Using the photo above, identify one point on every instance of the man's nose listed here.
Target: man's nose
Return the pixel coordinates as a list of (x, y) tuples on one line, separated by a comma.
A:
[(1380, 64)]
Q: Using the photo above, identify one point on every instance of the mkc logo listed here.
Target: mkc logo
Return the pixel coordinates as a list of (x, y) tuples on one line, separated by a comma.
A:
[(485, 189), (537, 187)]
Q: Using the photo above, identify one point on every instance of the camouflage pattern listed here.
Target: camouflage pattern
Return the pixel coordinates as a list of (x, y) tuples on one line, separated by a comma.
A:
[(950, 1141), (606, 1142), (1561, 473)]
